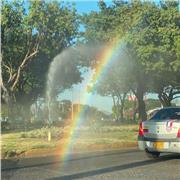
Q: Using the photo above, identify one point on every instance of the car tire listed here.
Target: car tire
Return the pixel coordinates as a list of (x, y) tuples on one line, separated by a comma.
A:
[(152, 155)]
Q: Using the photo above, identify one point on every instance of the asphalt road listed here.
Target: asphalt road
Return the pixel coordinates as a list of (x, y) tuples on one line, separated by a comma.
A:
[(126, 165)]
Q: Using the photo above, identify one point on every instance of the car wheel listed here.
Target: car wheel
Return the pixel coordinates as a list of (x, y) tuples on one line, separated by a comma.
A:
[(152, 155)]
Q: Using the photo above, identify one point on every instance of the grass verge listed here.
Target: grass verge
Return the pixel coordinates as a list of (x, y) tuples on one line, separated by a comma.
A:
[(34, 143)]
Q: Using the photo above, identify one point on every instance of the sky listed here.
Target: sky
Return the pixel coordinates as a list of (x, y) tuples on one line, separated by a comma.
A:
[(86, 6), (75, 94)]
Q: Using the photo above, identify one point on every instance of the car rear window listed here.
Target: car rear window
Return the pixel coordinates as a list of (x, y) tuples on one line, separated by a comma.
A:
[(171, 113)]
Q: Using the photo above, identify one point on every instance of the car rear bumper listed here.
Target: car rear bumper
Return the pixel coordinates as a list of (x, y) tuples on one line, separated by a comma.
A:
[(165, 145)]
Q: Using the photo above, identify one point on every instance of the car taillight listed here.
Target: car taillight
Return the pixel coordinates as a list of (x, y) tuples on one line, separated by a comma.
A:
[(141, 132), (178, 134)]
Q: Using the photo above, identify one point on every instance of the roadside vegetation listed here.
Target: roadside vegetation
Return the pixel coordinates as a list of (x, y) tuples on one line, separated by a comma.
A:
[(107, 137)]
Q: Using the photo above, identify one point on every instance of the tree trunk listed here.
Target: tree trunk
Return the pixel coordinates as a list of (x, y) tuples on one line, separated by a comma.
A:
[(122, 99), (117, 108), (8, 98), (122, 112), (134, 110), (141, 103)]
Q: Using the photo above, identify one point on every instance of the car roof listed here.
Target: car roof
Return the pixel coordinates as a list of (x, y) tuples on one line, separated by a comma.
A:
[(174, 107)]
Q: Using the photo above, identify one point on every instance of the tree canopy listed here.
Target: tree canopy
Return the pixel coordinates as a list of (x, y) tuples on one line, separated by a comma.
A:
[(31, 38), (34, 32), (151, 34)]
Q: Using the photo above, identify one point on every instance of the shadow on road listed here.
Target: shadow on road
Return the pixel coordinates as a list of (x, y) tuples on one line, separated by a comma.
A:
[(116, 168), (12, 164)]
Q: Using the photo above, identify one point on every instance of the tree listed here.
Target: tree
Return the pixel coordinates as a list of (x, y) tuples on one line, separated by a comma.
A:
[(168, 86), (109, 27), (151, 35), (155, 42), (153, 46), (115, 84), (30, 39)]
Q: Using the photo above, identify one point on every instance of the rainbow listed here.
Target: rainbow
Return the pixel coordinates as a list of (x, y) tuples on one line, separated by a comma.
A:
[(105, 58)]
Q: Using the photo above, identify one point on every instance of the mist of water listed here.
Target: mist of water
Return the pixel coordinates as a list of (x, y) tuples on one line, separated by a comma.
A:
[(60, 75), (61, 68)]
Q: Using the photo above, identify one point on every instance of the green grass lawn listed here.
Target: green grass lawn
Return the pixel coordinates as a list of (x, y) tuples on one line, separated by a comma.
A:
[(87, 138)]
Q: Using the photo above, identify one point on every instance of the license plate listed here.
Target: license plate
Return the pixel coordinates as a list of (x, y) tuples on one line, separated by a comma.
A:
[(158, 145)]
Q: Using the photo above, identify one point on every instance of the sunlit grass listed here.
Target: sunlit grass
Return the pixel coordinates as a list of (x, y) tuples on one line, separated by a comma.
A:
[(88, 138)]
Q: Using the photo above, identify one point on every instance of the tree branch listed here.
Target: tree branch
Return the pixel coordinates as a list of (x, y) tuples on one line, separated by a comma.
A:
[(24, 62)]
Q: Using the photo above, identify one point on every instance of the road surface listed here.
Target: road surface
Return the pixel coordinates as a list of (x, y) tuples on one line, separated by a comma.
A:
[(126, 165)]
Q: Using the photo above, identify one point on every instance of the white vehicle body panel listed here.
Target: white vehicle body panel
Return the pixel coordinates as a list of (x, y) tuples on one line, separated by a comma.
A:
[(160, 135)]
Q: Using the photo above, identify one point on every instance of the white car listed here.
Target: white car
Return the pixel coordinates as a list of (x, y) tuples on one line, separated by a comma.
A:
[(161, 133)]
